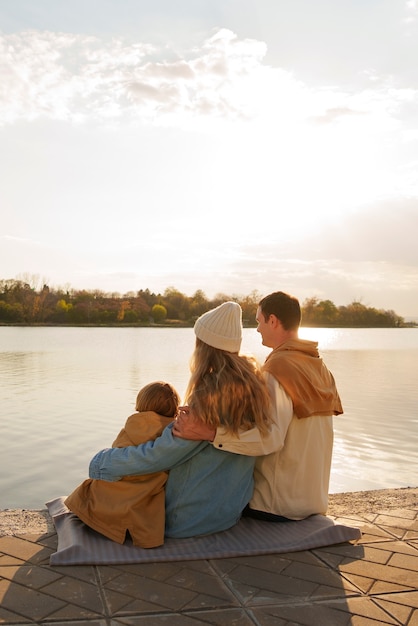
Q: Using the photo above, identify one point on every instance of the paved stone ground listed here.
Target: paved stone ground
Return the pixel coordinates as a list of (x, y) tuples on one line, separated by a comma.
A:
[(374, 581)]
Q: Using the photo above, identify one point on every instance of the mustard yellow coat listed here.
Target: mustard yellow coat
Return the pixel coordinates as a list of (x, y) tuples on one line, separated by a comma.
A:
[(135, 503)]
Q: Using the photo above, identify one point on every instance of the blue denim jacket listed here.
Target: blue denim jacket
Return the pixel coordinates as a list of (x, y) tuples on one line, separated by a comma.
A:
[(206, 491)]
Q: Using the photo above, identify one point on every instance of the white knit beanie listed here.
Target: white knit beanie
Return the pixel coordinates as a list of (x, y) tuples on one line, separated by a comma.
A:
[(221, 327)]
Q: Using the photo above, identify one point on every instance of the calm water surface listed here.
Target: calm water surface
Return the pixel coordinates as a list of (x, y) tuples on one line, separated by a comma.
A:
[(66, 392)]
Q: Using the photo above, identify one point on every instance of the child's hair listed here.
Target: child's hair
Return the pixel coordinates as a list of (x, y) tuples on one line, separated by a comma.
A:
[(159, 397), (228, 389)]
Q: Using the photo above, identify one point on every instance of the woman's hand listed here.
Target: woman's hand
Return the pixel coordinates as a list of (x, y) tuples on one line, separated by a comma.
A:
[(188, 426)]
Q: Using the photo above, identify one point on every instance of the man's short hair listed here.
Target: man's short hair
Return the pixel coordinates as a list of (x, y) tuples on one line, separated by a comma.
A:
[(284, 306)]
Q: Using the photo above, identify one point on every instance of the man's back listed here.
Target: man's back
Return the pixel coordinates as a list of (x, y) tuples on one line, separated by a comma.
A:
[(293, 482)]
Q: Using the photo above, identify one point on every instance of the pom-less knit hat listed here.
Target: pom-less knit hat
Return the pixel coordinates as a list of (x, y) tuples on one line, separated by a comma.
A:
[(221, 327)]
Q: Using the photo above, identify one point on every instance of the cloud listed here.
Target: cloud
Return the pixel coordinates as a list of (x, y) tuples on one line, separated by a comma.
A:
[(74, 77), (334, 113), (411, 11), (380, 234), (77, 78), (13, 238), (386, 232)]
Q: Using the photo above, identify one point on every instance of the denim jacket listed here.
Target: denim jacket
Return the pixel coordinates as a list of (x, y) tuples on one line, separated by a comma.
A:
[(206, 491)]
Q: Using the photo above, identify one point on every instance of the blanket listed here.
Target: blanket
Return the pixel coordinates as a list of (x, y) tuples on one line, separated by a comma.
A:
[(80, 545)]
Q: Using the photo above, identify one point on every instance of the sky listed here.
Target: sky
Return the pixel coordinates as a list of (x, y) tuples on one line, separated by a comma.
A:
[(222, 145)]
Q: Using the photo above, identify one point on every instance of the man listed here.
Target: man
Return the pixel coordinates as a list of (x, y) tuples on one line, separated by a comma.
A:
[(292, 478)]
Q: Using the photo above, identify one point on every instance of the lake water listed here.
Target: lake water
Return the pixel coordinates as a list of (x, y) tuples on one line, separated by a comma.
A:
[(66, 392)]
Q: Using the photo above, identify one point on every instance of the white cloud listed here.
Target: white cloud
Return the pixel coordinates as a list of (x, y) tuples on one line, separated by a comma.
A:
[(411, 11), (74, 77)]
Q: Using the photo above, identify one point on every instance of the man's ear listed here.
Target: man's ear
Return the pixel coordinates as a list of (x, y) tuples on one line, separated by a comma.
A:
[(273, 320), (275, 323)]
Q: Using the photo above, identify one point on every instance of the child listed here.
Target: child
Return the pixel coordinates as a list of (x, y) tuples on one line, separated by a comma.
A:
[(135, 503)]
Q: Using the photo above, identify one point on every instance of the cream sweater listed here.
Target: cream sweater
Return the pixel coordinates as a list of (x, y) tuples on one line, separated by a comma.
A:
[(292, 476)]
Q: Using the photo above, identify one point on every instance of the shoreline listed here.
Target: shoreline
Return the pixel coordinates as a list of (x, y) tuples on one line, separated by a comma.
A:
[(38, 521)]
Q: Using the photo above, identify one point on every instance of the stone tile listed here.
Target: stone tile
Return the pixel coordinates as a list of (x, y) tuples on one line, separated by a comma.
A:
[(270, 563), (154, 571), (49, 541), (229, 617), (184, 586), (369, 569), (151, 593), (401, 605), (28, 575), (370, 582), (370, 533), (313, 573), (6, 617), (140, 606), (24, 550), (298, 582), (400, 547), (358, 611), (333, 556), (251, 586), (6, 559), (381, 552), (75, 615), (405, 561), (27, 603), (76, 592), (199, 582), (41, 538), (86, 573), (379, 586), (347, 518), (411, 514), (410, 535), (120, 603), (86, 622), (392, 553), (400, 526)]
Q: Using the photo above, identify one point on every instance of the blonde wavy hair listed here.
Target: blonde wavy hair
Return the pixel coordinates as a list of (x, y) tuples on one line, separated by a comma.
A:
[(227, 389)]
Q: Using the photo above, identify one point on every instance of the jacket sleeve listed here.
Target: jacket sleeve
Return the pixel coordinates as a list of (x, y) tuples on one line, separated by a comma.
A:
[(251, 442), (163, 453)]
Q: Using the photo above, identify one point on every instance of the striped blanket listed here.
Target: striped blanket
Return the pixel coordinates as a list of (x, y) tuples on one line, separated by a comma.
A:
[(80, 545)]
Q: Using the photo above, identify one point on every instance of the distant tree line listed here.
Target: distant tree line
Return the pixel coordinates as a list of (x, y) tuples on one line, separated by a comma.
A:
[(23, 302), (317, 312)]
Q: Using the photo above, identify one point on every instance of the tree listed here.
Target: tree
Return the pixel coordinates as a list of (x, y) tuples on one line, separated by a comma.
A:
[(310, 311), (177, 304), (198, 304), (24, 303), (62, 309), (123, 307), (10, 312), (328, 313), (249, 306), (159, 313)]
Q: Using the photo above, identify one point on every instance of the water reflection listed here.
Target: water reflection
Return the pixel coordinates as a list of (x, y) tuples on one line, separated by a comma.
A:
[(376, 440), (65, 392)]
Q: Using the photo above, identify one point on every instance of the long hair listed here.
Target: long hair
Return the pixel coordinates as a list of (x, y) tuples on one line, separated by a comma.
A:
[(227, 389)]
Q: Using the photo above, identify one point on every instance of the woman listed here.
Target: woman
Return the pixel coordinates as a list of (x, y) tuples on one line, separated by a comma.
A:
[(207, 489)]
